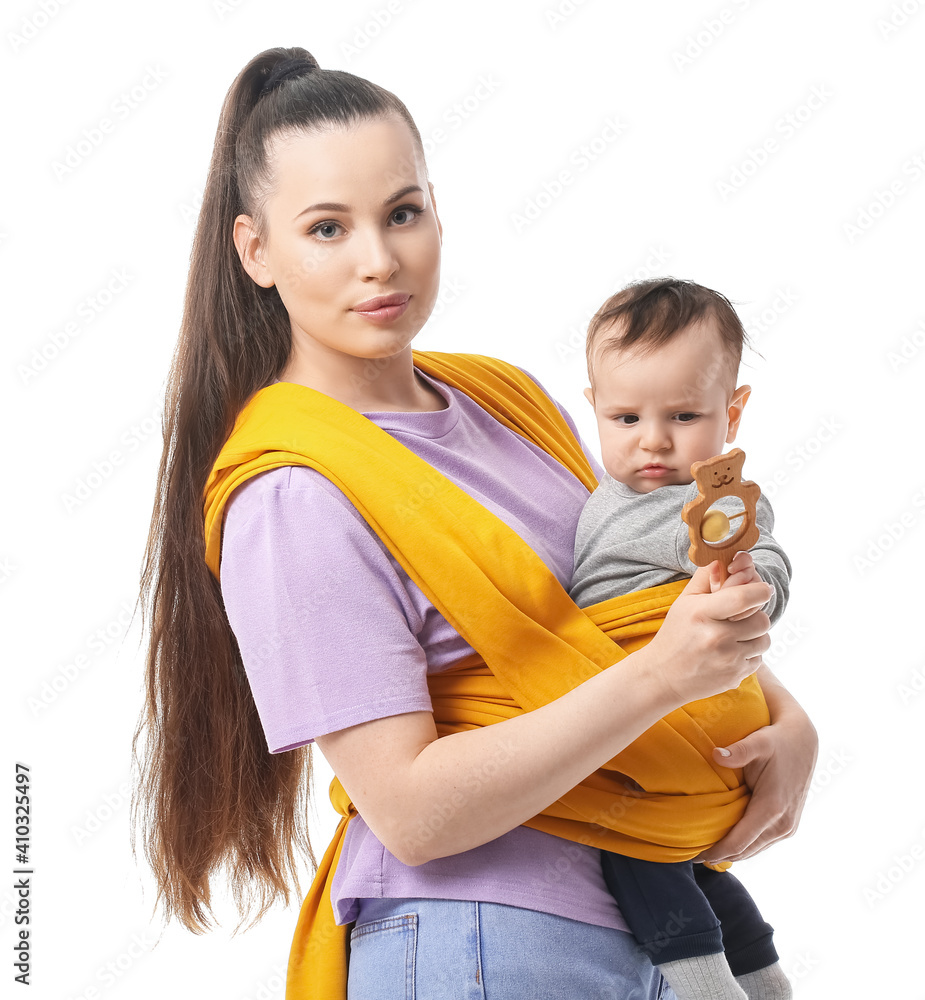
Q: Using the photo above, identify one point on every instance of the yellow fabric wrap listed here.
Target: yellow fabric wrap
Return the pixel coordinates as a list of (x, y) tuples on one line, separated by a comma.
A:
[(532, 642)]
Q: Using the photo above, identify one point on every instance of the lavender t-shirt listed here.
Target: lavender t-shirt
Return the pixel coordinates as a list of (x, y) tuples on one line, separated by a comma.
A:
[(334, 633)]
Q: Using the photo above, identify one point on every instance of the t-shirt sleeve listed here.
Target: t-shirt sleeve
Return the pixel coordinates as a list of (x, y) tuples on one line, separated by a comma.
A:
[(771, 562), (325, 625)]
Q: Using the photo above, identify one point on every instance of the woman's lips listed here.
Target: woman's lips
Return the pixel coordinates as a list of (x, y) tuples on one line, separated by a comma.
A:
[(383, 308)]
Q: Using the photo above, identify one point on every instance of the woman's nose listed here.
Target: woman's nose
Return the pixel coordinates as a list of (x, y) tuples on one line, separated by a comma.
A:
[(376, 258)]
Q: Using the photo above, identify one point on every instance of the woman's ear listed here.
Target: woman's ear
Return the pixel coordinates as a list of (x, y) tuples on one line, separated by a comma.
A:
[(734, 413), (251, 251)]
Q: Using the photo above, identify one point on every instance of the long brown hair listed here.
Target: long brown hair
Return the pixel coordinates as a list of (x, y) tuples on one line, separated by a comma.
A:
[(209, 795)]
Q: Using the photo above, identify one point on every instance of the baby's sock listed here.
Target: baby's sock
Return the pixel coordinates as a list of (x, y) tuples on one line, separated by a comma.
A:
[(769, 983), (705, 977)]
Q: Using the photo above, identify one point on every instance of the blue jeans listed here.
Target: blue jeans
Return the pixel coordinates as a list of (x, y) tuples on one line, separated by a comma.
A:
[(440, 949)]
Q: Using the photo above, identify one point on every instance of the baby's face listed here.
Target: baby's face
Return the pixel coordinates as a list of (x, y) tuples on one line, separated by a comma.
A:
[(659, 412)]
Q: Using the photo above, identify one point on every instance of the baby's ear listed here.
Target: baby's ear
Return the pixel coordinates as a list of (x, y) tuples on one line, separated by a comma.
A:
[(589, 395), (734, 413)]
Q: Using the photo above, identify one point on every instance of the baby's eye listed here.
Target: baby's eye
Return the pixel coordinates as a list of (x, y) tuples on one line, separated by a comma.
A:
[(685, 418), (324, 230), (627, 419)]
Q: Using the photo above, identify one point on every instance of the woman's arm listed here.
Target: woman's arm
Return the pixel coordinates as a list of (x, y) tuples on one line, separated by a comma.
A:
[(426, 798), (779, 761)]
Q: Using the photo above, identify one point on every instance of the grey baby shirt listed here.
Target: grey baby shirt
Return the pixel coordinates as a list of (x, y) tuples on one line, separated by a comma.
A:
[(628, 541)]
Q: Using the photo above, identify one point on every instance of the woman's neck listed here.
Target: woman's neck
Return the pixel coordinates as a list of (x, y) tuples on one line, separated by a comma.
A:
[(368, 385)]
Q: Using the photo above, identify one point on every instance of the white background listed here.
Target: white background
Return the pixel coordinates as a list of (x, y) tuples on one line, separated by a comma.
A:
[(820, 245)]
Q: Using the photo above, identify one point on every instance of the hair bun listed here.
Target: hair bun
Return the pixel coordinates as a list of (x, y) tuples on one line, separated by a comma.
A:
[(286, 69)]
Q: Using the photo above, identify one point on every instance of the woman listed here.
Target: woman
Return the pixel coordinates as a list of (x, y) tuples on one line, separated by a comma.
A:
[(315, 263)]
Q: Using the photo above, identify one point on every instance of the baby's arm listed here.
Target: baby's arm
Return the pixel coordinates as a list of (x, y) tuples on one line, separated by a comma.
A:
[(770, 562)]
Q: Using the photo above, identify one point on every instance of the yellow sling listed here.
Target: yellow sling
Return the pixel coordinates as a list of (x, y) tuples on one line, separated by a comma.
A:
[(533, 644)]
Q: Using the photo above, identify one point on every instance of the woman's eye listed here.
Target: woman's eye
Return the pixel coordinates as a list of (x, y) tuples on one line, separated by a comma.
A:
[(406, 214), (325, 230)]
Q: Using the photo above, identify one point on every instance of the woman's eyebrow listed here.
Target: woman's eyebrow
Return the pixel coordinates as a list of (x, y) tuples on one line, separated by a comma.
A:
[(335, 206)]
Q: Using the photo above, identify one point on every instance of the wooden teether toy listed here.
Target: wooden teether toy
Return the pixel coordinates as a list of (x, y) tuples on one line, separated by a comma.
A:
[(720, 477)]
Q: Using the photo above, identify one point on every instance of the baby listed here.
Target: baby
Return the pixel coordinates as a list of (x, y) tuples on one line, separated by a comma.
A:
[(663, 361)]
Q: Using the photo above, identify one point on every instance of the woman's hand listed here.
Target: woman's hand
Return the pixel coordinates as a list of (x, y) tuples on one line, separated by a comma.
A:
[(778, 761), (709, 642)]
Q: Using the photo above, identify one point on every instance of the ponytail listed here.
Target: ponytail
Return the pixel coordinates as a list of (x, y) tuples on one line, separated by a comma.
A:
[(209, 795)]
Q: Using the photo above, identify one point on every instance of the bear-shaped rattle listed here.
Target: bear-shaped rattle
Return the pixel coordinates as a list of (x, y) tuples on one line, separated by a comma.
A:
[(720, 477)]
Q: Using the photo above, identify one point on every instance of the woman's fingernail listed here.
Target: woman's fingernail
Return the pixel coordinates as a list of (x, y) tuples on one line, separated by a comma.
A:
[(724, 751)]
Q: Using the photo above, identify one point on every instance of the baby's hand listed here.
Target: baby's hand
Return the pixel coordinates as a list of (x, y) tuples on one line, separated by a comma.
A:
[(741, 570)]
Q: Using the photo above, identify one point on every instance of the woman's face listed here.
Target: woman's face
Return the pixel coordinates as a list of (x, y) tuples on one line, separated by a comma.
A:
[(351, 218)]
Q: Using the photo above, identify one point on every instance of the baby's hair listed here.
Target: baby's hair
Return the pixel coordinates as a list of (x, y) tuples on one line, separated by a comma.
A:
[(645, 315)]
